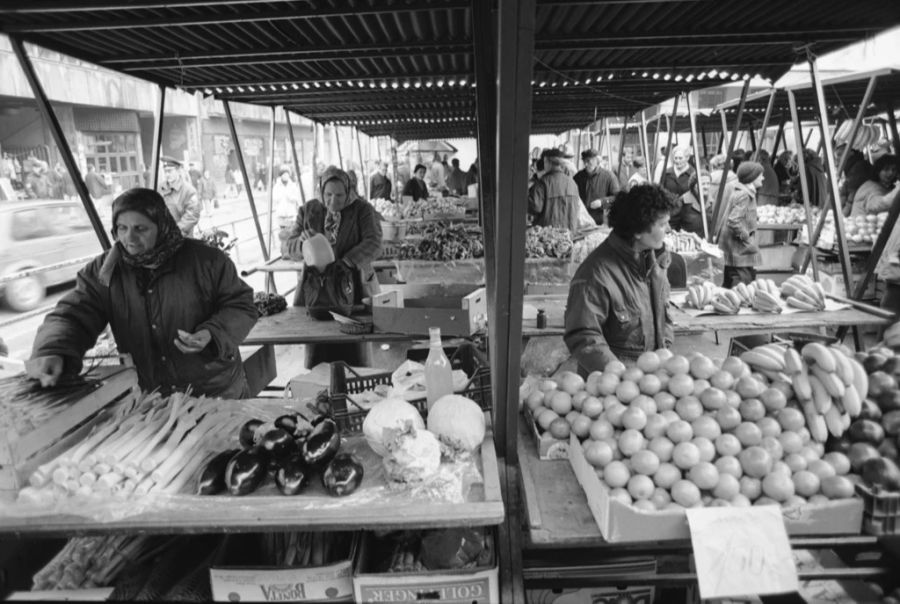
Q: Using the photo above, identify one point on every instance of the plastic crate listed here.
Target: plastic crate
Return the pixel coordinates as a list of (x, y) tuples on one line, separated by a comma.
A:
[(345, 382), (880, 510)]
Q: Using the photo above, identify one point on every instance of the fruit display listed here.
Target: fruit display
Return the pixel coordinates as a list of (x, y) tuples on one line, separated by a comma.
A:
[(803, 293), (726, 302), (548, 242), (683, 241), (674, 432), (765, 296), (701, 294), (269, 303), (859, 230), (787, 215), (418, 210)]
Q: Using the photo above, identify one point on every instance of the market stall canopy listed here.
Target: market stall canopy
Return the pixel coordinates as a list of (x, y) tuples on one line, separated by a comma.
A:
[(427, 146), (405, 68)]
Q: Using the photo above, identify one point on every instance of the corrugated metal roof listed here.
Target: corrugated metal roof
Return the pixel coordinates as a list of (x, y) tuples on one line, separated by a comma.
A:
[(367, 62)]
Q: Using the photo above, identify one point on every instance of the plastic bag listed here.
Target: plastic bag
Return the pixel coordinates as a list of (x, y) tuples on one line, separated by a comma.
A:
[(317, 251)]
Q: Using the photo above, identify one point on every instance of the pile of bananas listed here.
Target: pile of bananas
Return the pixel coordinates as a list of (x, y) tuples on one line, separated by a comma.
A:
[(765, 296), (803, 293), (726, 302), (828, 382), (701, 294)]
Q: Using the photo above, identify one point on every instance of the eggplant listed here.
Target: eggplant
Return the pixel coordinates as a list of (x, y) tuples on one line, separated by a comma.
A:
[(288, 423), (292, 475), (321, 445), (247, 436), (212, 480), (277, 443), (246, 471), (343, 475)]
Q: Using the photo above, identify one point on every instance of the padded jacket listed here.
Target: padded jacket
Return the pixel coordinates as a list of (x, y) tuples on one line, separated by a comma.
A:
[(553, 201), (617, 305), (738, 239), (197, 288)]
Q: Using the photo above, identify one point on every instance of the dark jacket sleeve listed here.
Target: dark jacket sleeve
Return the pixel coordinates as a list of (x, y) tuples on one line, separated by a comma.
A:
[(235, 313), (291, 245), (586, 311), (537, 195), (369, 247), (72, 328)]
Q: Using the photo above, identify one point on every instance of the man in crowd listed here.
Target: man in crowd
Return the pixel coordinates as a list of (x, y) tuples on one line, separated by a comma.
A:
[(457, 182), (286, 199), (180, 197), (596, 186), (379, 184), (553, 199), (627, 168)]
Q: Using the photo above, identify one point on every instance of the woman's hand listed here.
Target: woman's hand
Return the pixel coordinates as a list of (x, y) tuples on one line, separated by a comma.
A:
[(192, 343), (46, 369)]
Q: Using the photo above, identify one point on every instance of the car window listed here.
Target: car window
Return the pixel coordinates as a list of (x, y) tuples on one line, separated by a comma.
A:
[(29, 223)]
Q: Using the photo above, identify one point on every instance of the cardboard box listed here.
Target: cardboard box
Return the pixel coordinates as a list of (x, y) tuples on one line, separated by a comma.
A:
[(459, 310), (619, 522), (548, 447), (332, 582), (475, 586), (591, 595)]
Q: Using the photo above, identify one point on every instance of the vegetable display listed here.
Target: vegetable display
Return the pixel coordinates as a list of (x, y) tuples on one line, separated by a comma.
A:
[(548, 242), (445, 242), (269, 304), (440, 549)]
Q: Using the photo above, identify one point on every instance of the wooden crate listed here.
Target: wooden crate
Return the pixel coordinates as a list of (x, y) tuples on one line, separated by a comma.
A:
[(21, 454), (458, 310)]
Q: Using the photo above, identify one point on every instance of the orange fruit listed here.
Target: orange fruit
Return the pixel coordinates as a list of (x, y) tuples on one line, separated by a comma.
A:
[(620, 494), (773, 398), (559, 428), (610, 400), (756, 462), (749, 434), (662, 447), (677, 365), (780, 466), (704, 475), (545, 417), (632, 374), (614, 414), (809, 454), (705, 446), (601, 429), (650, 384), (616, 474), (667, 475), (648, 362), (729, 464), (645, 462), (838, 461), (679, 431), (751, 488), (707, 427), (581, 427), (663, 376), (735, 366), (670, 415), (578, 399), (766, 500), (740, 501), (686, 455), (617, 367), (592, 383), (598, 453), (806, 483), (644, 505), (713, 398), (769, 426), (664, 401), (728, 444), (634, 418), (728, 487), (664, 354), (818, 448), (660, 498), (681, 385), (837, 487), (702, 367), (749, 387), (689, 408), (534, 400), (818, 499), (732, 398), (644, 403), (728, 418), (547, 385), (778, 486), (627, 391), (571, 415), (631, 441), (791, 419), (771, 444), (570, 382), (640, 487), (722, 379), (592, 407), (821, 468), (752, 409), (606, 383), (686, 493), (656, 426), (700, 386), (796, 462), (790, 442), (561, 402)]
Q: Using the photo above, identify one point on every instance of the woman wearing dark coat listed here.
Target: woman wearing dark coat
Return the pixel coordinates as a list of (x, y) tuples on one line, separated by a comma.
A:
[(176, 305), (415, 186)]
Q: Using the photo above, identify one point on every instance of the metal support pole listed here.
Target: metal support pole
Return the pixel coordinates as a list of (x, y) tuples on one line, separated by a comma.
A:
[(608, 136), (290, 127), (892, 123), (804, 191), (337, 138), (731, 143), (271, 168), (157, 138), (622, 144), (703, 140), (645, 144), (240, 157), (315, 161), (765, 126), (670, 125), (779, 136), (724, 136), (59, 138), (703, 196), (362, 165)]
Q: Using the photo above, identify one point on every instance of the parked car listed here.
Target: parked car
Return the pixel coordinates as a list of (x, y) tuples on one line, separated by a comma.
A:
[(38, 233)]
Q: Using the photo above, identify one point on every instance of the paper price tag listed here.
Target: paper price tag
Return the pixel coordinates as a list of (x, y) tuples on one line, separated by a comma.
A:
[(741, 552)]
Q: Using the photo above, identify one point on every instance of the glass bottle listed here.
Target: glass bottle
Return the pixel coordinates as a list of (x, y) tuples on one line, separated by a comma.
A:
[(438, 374)]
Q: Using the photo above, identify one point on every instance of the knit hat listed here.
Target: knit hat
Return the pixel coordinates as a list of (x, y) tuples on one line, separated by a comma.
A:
[(748, 171)]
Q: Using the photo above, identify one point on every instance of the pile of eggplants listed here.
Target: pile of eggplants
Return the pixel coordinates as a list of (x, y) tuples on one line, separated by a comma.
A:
[(293, 452)]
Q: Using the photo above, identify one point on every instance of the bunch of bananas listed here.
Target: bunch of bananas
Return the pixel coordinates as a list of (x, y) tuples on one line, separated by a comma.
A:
[(803, 293), (745, 293), (726, 302), (765, 296), (828, 382), (701, 294)]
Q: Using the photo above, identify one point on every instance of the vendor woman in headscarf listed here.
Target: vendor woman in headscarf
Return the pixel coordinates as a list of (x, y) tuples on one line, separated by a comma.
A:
[(350, 225), (617, 299), (176, 305)]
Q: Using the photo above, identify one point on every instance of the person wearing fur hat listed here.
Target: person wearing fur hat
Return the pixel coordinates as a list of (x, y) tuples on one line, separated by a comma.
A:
[(738, 238), (176, 305)]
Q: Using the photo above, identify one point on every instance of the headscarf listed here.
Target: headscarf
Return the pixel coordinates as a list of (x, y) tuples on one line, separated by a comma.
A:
[(333, 217), (168, 237)]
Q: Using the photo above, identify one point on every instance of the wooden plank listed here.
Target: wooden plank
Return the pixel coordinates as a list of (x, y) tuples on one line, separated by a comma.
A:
[(295, 326)]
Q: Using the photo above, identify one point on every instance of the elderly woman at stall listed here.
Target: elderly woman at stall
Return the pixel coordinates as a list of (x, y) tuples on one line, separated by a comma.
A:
[(176, 305), (677, 180), (876, 194), (617, 299), (351, 226)]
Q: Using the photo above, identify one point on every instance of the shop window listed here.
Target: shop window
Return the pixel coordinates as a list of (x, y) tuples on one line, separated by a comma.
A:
[(116, 154)]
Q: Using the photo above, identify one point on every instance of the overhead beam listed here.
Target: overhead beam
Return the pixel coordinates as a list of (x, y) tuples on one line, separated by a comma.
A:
[(666, 40), (29, 7), (216, 18), (343, 79)]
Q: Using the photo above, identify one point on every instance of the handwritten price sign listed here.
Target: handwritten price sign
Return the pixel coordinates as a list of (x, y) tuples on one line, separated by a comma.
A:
[(741, 552)]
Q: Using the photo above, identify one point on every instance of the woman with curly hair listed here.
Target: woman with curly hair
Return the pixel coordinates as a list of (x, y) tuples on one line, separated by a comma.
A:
[(617, 299)]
